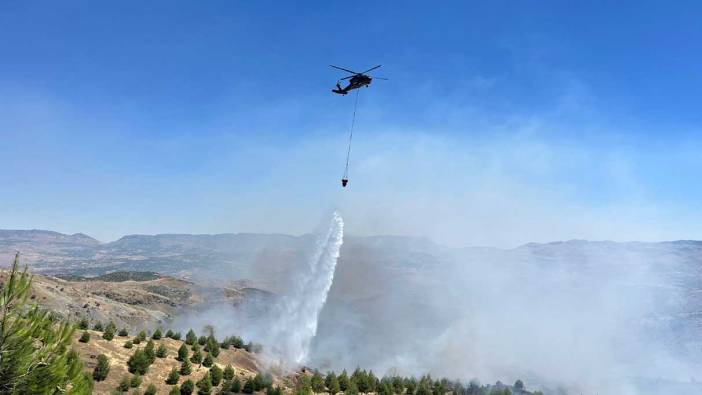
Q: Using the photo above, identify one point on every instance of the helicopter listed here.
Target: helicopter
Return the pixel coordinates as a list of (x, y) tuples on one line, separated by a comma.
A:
[(357, 80)]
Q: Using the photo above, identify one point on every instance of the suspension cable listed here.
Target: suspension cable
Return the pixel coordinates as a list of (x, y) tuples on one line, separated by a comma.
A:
[(353, 123)]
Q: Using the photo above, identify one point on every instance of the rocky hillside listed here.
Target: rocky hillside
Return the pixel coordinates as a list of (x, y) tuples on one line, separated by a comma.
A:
[(132, 300)]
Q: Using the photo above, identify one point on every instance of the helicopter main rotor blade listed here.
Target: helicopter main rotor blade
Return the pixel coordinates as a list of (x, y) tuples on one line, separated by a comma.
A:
[(346, 70), (379, 78), (346, 78), (371, 69)]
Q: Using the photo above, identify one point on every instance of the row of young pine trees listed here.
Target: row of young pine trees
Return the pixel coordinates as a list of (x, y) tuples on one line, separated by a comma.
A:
[(139, 362), (361, 381), (36, 358)]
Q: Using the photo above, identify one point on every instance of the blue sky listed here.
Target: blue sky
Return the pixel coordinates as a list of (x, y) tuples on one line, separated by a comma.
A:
[(502, 122)]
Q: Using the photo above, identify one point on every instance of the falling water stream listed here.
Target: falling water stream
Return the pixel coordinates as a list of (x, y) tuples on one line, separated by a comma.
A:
[(296, 317)]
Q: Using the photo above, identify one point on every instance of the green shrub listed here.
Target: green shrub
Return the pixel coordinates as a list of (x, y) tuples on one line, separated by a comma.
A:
[(135, 382), (124, 384), (157, 334), (128, 344), (85, 337), (175, 390), (150, 390), (123, 332), (98, 326), (83, 323), (102, 368), (109, 333)]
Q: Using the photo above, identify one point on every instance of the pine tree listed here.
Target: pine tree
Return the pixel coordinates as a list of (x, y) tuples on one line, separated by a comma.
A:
[(352, 389), (98, 326), (162, 351), (102, 368), (187, 388), (123, 332), (236, 385), (196, 358), (109, 333), (398, 385), (212, 346), (135, 382), (207, 362), (124, 384), (141, 336), (138, 362), (150, 390), (128, 344), (190, 338), (201, 340), (175, 336), (343, 381), (157, 334), (185, 368), (216, 375), (182, 353), (317, 382), (175, 390), (258, 382), (423, 389), (35, 353), (169, 333), (385, 388), (228, 373), (83, 323), (332, 383), (85, 337), (204, 386), (150, 352), (173, 376), (371, 381), (248, 387), (411, 385)]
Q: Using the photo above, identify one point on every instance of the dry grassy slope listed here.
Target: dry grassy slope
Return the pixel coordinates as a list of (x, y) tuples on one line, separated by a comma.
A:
[(131, 304), (244, 363)]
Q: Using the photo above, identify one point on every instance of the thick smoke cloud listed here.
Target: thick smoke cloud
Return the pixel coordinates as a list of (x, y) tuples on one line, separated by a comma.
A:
[(590, 317)]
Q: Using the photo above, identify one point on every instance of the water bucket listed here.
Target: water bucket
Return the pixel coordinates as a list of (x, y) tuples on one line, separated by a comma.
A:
[(344, 181)]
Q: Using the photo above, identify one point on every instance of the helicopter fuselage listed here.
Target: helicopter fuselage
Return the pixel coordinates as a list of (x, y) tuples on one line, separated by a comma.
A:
[(357, 81)]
